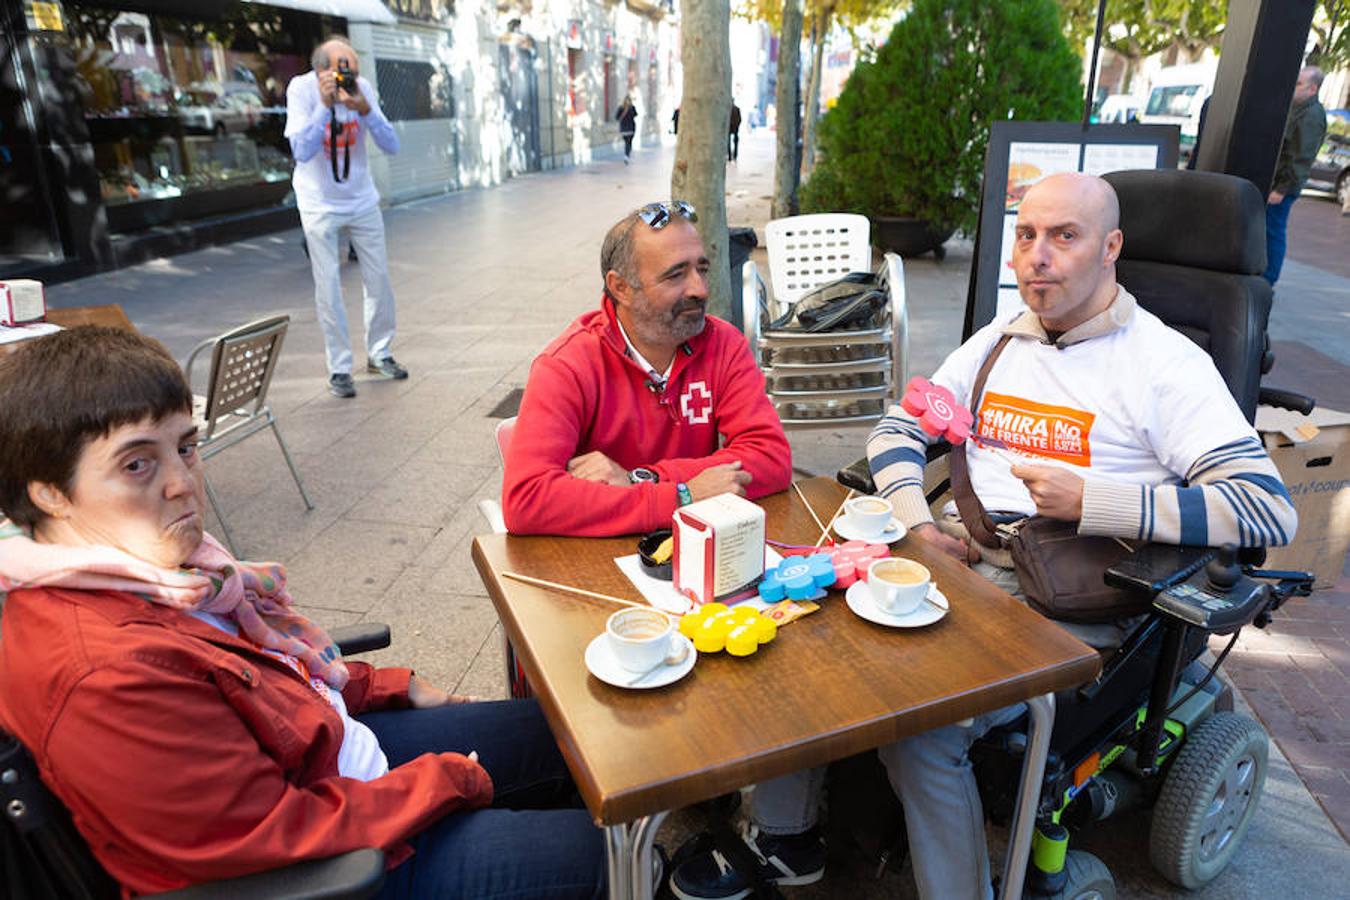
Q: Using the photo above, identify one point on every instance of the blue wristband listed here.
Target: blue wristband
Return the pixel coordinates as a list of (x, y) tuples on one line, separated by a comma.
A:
[(682, 492)]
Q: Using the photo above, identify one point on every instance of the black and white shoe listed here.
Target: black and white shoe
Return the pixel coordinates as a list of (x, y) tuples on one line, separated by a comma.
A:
[(386, 367), (340, 384), (787, 860)]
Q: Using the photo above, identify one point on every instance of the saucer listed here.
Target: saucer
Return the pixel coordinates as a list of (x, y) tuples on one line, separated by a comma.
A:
[(859, 599), (893, 532), (602, 664)]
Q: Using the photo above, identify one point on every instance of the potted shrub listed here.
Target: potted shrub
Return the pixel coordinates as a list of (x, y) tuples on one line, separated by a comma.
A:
[(904, 145)]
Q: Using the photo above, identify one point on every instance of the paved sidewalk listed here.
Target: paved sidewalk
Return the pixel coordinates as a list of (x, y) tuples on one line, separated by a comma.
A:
[(483, 280)]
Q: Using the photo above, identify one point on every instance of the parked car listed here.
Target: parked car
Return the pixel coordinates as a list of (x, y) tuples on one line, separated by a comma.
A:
[(1176, 96), (215, 108), (1119, 108), (1331, 169)]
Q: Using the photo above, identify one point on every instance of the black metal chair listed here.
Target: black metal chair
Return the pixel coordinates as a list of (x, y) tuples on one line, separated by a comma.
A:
[(43, 857)]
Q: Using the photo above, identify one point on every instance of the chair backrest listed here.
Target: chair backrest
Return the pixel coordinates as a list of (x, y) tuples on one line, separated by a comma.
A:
[(504, 429), (1193, 256), (242, 363), (808, 251)]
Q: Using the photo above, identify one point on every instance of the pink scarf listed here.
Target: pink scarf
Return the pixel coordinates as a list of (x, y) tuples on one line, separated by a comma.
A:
[(252, 595)]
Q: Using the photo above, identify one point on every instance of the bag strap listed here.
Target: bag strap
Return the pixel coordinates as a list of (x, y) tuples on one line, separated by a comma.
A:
[(973, 514)]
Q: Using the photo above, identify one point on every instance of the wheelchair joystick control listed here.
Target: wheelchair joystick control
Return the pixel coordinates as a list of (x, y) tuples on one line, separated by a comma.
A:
[(1223, 572)]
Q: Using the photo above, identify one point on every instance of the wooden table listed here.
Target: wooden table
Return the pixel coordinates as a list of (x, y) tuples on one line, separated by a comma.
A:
[(831, 684), (109, 314)]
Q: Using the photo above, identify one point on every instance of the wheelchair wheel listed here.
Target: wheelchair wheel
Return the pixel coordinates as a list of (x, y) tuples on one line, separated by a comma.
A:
[(1089, 879), (1208, 799)]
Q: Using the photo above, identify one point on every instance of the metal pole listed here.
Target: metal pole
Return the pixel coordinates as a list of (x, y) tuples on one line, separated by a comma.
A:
[(1092, 69), (1042, 711)]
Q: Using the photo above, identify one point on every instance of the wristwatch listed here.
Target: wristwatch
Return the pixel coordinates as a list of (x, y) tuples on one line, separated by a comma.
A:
[(682, 493), (640, 475)]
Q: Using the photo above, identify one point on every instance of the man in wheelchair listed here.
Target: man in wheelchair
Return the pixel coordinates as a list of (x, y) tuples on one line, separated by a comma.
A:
[(1095, 412)]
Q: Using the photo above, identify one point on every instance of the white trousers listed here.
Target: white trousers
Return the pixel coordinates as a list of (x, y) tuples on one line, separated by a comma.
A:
[(323, 235)]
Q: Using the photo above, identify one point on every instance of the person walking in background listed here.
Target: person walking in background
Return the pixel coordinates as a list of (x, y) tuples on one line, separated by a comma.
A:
[(675, 121), (734, 134), (328, 112), (626, 116), (1303, 134)]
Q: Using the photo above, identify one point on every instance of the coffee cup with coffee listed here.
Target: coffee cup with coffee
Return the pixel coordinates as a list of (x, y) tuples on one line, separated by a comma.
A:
[(642, 639), (868, 515), (898, 585)]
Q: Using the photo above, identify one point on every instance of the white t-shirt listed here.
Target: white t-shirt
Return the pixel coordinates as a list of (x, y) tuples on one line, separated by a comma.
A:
[(1137, 406), (360, 755), (308, 129)]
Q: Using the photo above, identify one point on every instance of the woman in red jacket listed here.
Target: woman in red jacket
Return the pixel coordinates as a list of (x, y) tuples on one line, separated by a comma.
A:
[(194, 723)]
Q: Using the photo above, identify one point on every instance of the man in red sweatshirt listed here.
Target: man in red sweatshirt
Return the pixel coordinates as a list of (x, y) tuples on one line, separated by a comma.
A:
[(644, 404)]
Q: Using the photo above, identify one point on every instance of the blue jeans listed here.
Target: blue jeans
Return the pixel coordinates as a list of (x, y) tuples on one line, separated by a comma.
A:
[(1277, 226), (534, 841)]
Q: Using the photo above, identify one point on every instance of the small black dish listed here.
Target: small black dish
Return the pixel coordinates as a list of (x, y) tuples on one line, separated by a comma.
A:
[(646, 547)]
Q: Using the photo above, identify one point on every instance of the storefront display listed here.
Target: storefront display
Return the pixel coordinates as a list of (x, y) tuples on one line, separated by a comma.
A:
[(186, 115)]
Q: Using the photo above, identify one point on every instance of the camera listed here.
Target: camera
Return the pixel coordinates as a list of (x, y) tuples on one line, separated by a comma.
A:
[(344, 79)]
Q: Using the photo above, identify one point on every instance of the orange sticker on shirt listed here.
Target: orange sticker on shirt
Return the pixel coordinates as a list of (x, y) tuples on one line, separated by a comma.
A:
[(1037, 429)]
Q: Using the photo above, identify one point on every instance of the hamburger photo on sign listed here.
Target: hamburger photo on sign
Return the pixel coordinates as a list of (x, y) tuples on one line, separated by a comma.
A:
[(1021, 176)]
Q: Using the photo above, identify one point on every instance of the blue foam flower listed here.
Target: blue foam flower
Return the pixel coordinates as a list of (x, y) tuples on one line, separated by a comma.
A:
[(797, 578)]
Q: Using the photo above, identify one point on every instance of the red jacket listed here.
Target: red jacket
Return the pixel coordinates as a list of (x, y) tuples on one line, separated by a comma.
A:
[(186, 754), (585, 393)]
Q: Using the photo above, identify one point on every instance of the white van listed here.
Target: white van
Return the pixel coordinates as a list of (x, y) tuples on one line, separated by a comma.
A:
[(1175, 97)]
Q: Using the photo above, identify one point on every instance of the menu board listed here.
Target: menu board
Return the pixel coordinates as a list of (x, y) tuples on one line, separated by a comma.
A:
[(1022, 153)]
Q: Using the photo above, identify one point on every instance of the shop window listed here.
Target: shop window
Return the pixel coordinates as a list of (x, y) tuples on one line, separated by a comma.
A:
[(415, 90), (186, 116)]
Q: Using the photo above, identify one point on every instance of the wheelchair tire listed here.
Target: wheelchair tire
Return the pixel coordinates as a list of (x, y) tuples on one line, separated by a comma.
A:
[(1208, 799), (1089, 879)]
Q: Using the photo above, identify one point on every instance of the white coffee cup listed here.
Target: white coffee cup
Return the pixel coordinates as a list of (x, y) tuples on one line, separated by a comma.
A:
[(898, 585), (868, 515), (642, 639)]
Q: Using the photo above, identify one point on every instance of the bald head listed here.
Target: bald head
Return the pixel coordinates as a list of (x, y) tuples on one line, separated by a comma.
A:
[(1067, 240), (1092, 198), (327, 54), (1308, 84)]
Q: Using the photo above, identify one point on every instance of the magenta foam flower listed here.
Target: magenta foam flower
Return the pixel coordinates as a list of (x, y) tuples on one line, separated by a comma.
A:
[(937, 410)]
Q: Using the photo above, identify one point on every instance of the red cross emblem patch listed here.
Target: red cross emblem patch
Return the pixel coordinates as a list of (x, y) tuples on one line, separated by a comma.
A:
[(696, 403)]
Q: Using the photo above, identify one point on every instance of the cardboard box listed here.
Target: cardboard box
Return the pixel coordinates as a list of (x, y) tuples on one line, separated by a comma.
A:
[(1313, 456), (719, 547)]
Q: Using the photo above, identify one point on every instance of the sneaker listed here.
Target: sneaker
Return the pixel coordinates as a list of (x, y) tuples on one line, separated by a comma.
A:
[(788, 860), (386, 367), (340, 384)]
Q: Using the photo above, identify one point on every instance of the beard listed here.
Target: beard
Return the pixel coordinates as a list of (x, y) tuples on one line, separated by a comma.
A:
[(676, 325)]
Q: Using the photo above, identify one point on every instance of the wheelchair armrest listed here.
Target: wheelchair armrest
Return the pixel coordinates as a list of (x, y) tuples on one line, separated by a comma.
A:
[(360, 637), (350, 876), (1285, 400), (1156, 567), (858, 474)]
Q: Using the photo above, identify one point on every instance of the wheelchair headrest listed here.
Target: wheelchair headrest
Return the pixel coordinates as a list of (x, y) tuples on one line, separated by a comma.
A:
[(1204, 220)]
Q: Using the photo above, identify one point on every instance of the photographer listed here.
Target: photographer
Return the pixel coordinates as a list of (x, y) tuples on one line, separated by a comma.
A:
[(328, 112)]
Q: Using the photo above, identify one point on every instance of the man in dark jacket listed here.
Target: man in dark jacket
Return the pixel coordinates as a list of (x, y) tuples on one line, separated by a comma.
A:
[(1303, 134)]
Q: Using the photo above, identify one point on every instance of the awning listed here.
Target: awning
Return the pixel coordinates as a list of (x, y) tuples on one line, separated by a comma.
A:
[(351, 10)]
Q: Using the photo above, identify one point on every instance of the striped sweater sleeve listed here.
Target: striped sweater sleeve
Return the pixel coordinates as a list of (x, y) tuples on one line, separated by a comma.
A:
[(1232, 494), (896, 454)]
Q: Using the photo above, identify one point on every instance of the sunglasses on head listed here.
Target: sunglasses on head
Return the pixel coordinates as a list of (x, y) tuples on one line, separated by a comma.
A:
[(658, 215)]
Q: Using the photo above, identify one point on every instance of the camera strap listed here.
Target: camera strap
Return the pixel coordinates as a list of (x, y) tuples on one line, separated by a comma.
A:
[(334, 132)]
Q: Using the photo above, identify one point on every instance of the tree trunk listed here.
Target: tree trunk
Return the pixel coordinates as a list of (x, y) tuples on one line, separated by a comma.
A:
[(820, 31), (785, 99), (700, 173)]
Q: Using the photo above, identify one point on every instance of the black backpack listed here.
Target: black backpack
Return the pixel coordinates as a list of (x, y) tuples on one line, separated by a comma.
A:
[(847, 304)]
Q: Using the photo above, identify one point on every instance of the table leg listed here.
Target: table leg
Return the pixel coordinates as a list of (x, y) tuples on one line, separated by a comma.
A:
[(641, 835), (1042, 711), (618, 855)]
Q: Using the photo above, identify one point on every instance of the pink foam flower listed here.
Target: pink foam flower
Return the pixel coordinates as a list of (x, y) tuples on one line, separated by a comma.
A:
[(937, 410)]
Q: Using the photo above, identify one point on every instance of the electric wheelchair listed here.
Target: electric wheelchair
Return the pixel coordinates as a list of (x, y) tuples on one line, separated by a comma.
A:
[(1157, 728)]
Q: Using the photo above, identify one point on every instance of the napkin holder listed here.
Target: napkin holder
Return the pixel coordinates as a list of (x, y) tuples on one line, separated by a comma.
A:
[(719, 547), (22, 302)]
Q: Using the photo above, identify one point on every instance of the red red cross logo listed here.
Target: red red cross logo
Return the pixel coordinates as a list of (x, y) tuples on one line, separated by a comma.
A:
[(696, 403)]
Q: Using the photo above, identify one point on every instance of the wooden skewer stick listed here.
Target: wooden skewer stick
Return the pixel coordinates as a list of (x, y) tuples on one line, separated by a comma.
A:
[(807, 504), (826, 533), (567, 588)]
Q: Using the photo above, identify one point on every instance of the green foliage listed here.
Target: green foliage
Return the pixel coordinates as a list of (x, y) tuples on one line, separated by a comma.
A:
[(908, 134), (1139, 28), (1331, 28)]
